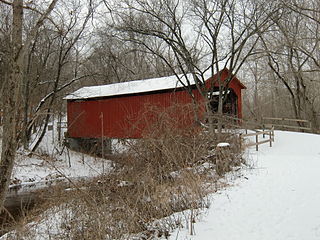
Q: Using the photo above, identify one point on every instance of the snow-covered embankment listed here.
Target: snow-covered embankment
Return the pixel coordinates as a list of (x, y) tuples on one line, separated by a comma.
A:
[(278, 199)]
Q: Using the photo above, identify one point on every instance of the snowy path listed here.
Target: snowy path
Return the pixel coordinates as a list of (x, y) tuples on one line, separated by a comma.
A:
[(279, 200)]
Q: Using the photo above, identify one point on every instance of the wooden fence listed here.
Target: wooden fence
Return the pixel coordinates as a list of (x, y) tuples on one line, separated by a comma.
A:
[(286, 123), (267, 124), (239, 123), (270, 140)]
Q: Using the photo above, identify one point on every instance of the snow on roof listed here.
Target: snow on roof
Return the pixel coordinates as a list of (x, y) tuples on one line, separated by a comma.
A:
[(138, 86)]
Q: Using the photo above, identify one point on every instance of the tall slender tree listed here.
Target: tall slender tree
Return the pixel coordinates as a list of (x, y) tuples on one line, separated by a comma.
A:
[(12, 91)]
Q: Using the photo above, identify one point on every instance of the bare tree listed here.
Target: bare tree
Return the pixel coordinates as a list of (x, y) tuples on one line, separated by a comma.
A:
[(69, 29), (11, 94), (4, 46), (195, 37), (116, 61), (292, 51)]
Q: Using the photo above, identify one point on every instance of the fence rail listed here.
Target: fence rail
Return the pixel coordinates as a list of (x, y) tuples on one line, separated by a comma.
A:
[(269, 132), (286, 119), (280, 123), (267, 124)]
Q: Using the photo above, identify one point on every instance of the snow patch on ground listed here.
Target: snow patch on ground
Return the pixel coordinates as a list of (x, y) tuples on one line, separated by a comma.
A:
[(278, 199), (53, 162)]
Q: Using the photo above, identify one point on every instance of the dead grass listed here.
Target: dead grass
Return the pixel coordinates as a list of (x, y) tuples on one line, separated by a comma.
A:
[(170, 170)]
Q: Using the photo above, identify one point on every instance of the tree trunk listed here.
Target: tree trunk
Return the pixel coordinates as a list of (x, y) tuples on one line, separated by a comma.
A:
[(26, 131), (210, 118), (10, 102), (220, 107), (220, 113)]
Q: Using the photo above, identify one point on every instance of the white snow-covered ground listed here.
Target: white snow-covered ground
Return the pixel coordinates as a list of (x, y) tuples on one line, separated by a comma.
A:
[(52, 162), (278, 199), (41, 169)]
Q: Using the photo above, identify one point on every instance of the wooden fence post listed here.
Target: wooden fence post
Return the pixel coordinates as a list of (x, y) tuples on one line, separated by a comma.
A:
[(257, 148), (270, 137), (272, 133)]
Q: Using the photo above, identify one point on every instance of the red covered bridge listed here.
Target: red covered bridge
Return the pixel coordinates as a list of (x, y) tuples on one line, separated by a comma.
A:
[(114, 110)]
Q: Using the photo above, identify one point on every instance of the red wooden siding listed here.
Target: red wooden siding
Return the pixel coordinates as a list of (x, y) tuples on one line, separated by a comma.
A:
[(125, 116)]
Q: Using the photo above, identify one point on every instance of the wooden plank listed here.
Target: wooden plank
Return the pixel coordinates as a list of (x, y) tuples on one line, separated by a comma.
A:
[(296, 120), (270, 118), (286, 119), (270, 138), (262, 142), (255, 144), (293, 127), (250, 144), (255, 134), (249, 135), (287, 126), (240, 120)]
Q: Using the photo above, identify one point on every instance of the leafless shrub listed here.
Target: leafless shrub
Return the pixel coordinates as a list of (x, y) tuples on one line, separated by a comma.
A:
[(171, 170)]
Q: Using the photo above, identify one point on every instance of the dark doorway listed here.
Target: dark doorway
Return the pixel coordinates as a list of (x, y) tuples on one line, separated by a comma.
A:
[(229, 103)]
